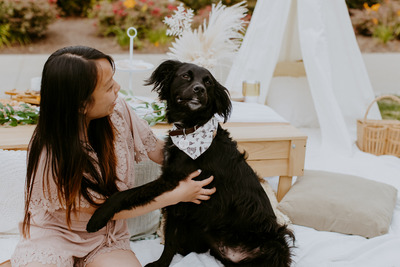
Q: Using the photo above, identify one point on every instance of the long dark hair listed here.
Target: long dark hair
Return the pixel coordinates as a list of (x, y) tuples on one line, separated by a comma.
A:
[(69, 78)]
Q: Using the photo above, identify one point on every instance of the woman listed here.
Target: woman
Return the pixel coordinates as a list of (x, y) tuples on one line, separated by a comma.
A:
[(82, 152)]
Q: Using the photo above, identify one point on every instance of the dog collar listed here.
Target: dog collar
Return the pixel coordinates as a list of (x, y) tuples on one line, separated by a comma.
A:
[(194, 141), (183, 131)]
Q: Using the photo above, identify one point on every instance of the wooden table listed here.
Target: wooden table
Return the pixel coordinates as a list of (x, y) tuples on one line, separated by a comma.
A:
[(274, 149), (16, 138)]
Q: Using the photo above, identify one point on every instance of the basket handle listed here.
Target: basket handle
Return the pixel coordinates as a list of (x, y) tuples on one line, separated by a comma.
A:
[(394, 98)]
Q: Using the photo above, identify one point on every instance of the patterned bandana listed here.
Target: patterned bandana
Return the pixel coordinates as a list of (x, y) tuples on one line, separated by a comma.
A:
[(196, 143)]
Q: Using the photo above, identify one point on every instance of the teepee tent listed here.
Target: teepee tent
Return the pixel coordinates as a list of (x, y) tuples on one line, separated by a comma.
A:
[(305, 55)]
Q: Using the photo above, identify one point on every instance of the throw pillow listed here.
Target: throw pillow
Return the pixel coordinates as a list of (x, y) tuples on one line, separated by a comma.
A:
[(341, 203), (12, 181), (147, 224)]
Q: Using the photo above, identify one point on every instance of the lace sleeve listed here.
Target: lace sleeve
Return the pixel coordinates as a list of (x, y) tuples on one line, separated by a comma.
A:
[(144, 139)]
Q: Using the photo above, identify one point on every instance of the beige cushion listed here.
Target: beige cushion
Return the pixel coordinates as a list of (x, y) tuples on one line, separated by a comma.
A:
[(147, 224), (12, 184), (341, 203)]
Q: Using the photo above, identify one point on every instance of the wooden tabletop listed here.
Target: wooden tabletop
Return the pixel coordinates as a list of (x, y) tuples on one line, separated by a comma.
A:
[(252, 131), (17, 138)]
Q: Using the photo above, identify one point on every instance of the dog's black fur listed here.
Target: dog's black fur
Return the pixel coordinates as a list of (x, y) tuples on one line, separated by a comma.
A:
[(237, 224)]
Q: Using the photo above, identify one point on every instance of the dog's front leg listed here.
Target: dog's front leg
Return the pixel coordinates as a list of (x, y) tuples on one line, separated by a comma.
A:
[(170, 248), (127, 200)]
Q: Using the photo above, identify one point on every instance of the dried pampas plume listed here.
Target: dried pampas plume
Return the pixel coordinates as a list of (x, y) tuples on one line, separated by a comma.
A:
[(209, 44)]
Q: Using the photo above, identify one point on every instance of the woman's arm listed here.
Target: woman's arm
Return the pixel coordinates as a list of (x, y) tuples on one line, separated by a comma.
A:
[(188, 190)]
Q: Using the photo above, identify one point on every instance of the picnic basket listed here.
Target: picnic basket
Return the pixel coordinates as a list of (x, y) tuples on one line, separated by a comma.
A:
[(379, 137)]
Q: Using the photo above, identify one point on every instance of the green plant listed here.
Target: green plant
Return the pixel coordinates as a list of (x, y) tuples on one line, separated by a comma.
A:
[(23, 114), (359, 4), (120, 35), (5, 35), (383, 33), (22, 21), (390, 109), (75, 7), (115, 17), (158, 37), (381, 20), (154, 112), (198, 5)]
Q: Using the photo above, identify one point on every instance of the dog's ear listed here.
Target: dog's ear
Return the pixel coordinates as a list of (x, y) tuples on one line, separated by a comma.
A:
[(162, 77), (222, 101)]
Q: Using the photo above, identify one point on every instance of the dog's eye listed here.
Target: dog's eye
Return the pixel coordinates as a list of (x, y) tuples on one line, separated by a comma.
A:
[(207, 82), (185, 76)]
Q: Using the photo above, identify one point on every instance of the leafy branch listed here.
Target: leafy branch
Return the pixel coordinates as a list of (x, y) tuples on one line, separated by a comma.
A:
[(155, 112), (24, 114), (152, 112)]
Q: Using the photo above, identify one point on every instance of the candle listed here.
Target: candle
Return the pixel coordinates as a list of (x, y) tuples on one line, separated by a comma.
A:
[(251, 91)]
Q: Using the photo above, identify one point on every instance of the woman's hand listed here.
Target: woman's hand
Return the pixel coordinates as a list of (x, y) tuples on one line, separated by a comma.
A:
[(190, 190)]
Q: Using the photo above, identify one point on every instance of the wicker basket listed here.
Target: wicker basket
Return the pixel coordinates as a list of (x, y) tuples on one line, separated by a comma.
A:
[(379, 137)]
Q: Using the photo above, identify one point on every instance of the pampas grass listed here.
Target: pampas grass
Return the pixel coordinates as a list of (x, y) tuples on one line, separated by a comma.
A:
[(211, 42)]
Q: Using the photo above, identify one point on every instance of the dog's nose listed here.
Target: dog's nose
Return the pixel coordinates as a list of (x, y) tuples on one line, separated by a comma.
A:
[(199, 89)]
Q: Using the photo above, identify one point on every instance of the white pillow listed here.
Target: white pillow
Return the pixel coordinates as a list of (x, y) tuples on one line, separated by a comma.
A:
[(291, 98), (253, 112), (12, 181)]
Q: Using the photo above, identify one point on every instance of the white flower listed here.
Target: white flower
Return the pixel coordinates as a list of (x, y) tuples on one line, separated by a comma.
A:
[(179, 22), (211, 43)]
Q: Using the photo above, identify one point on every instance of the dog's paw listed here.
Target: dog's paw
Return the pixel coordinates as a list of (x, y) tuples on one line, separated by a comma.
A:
[(155, 264), (99, 219)]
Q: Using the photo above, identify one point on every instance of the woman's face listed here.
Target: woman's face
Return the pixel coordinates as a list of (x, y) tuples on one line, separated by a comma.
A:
[(105, 94)]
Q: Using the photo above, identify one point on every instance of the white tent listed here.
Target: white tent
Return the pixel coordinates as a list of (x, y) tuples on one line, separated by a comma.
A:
[(332, 85)]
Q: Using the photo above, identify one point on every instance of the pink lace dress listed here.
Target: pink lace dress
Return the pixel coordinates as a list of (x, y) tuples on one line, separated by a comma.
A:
[(51, 242)]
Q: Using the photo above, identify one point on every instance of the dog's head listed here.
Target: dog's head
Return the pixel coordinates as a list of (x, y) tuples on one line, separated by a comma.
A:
[(192, 93)]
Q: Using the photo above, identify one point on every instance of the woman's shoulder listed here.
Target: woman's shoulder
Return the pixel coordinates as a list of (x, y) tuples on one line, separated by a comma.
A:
[(120, 105), (124, 112)]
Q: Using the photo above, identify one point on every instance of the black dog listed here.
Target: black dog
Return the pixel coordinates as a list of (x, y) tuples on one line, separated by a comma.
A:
[(237, 224)]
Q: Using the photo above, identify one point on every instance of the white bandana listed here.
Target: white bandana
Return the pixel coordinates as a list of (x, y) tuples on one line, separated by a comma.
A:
[(196, 143)]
